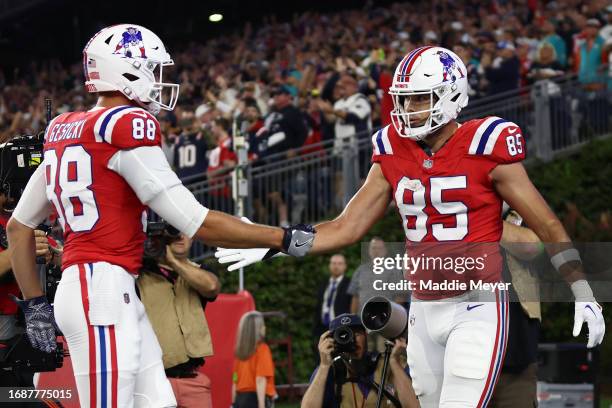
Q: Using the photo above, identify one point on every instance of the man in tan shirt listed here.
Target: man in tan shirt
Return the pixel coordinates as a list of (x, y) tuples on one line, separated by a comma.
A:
[(175, 292)]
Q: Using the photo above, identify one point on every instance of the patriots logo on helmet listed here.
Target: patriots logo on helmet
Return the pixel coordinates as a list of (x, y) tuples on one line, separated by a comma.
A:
[(131, 39), (449, 65)]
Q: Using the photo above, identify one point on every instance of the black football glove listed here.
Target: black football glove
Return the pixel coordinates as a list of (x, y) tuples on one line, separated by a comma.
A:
[(40, 323)]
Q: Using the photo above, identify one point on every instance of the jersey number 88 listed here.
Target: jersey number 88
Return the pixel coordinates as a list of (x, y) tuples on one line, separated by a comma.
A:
[(70, 190)]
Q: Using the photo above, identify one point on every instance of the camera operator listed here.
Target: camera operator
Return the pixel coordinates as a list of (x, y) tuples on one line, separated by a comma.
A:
[(8, 285), (48, 252), (349, 376), (175, 291)]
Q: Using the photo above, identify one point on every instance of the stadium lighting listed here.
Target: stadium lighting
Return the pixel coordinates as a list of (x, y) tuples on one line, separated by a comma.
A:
[(215, 18)]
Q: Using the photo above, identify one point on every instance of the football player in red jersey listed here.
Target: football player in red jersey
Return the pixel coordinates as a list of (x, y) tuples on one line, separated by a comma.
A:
[(102, 168), (448, 181)]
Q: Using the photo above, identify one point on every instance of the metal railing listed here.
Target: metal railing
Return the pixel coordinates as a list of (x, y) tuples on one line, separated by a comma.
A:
[(317, 181)]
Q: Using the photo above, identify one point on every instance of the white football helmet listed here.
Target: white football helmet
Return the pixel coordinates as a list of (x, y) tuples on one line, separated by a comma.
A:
[(129, 58), (433, 71)]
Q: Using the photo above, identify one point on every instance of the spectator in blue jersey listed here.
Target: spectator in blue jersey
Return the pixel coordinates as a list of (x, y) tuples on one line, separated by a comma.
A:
[(189, 156), (283, 132), (284, 128), (502, 71)]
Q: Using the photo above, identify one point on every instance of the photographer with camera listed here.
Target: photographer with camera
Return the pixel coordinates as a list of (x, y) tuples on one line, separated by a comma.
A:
[(174, 291), (8, 285), (349, 376), (13, 346)]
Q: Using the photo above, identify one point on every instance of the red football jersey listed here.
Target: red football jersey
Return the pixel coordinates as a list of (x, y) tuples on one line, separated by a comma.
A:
[(448, 197), (102, 218), (216, 160)]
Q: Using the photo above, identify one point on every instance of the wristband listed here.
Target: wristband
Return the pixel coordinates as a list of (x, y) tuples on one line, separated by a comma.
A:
[(582, 291), (564, 257)]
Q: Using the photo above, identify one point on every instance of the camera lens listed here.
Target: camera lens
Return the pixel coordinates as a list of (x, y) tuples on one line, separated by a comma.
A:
[(385, 317), (343, 336), (376, 315)]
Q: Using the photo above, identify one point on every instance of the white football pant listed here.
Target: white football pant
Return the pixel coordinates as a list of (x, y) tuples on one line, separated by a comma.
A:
[(115, 354), (456, 348)]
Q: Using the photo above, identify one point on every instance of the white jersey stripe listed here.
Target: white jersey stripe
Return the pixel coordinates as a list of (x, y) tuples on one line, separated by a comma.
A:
[(385, 140), (375, 144), (479, 132), (495, 134), (103, 129)]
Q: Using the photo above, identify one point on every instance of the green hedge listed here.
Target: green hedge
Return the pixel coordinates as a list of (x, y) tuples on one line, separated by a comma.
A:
[(290, 286), (586, 181)]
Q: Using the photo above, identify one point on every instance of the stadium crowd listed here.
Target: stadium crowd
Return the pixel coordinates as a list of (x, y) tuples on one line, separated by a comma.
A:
[(316, 77)]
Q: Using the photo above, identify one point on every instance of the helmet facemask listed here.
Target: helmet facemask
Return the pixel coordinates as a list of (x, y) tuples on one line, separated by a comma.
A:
[(160, 95), (401, 116)]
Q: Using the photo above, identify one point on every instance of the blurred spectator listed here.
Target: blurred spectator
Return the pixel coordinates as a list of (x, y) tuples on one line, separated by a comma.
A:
[(350, 113), (175, 291), (589, 58), (189, 156), (606, 31), (284, 128), (502, 71), (308, 55), (332, 296), (284, 131), (251, 122), (169, 129), (221, 160), (466, 53), (546, 68), (253, 373), (546, 65), (204, 114), (551, 37)]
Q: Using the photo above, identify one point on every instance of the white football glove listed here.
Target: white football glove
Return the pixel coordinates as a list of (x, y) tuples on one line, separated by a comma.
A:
[(587, 309), (239, 258)]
